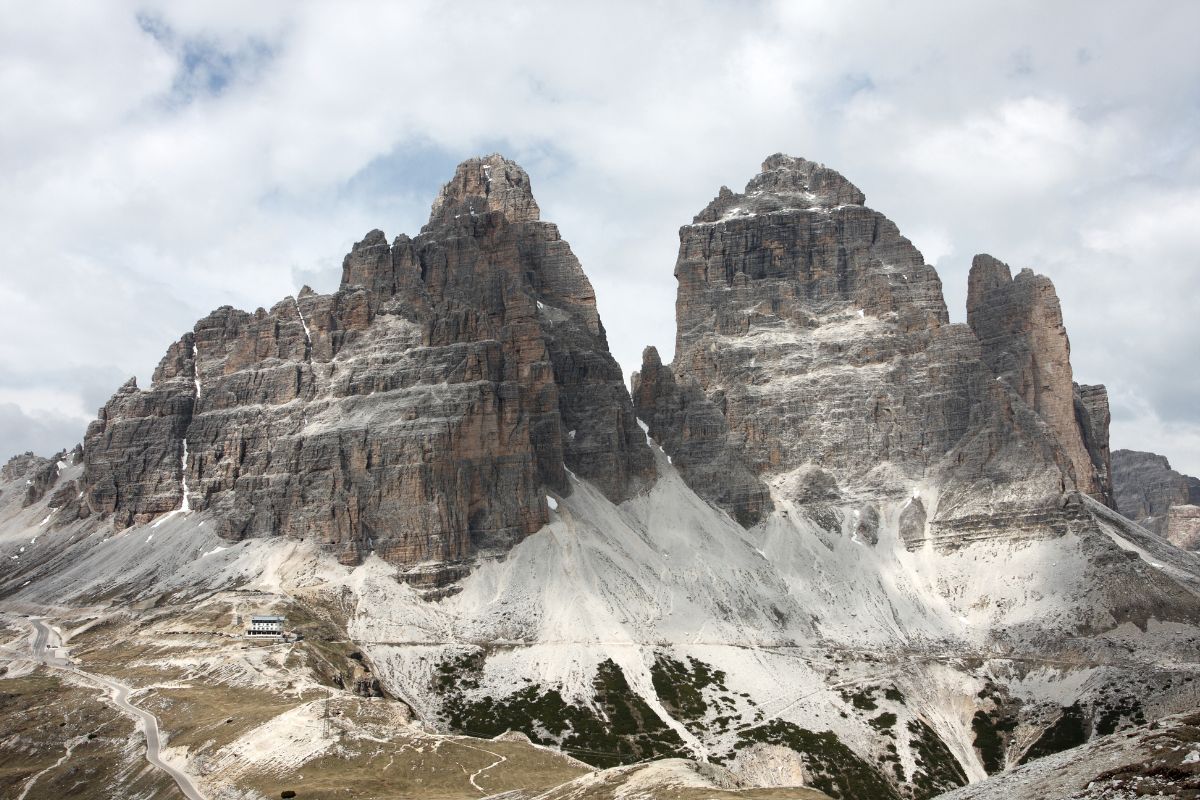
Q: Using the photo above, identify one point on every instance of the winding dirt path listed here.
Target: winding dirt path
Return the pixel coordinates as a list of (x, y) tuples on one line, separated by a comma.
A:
[(44, 639), (479, 772)]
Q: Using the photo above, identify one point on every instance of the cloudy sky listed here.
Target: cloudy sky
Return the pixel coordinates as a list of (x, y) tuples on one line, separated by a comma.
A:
[(160, 159)]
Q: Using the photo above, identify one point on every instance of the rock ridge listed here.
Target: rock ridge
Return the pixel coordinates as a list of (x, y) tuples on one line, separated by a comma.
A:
[(1019, 324)]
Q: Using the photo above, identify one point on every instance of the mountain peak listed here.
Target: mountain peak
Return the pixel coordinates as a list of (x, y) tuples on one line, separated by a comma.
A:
[(485, 184), (785, 183), (783, 175)]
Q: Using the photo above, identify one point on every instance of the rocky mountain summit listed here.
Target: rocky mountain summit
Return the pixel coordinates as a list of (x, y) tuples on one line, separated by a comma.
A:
[(814, 353), (421, 412)]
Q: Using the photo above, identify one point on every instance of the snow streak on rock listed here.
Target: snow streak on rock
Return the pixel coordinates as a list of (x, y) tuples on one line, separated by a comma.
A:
[(304, 324), (196, 370)]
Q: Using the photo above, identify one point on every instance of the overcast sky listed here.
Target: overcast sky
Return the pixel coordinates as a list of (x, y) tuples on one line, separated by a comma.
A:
[(158, 160)]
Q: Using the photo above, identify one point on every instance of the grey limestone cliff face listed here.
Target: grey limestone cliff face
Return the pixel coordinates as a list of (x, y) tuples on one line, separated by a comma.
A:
[(1147, 490), (1019, 324), (1094, 417), (814, 356), (692, 428), (421, 412)]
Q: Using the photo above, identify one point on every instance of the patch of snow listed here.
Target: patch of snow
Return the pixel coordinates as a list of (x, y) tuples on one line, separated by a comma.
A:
[(186, 506), (862, 313), (550, 501), (303, 322), (196, 370), (646, 430)]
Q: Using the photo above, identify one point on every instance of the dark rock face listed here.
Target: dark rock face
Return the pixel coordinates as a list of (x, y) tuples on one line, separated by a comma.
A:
[(1093, 415), (693, 430), (798, 239), (796, 294), (814, 354), (1019, 324), (1146, 489), (421, 412), (133, 452)]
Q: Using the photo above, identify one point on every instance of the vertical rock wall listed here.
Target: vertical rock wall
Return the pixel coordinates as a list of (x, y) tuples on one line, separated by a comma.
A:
[(1019, 324)]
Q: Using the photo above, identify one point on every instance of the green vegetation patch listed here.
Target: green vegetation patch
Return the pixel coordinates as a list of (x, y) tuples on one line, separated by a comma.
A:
[(1069, 730), (1112, 712), (937, 770), (689, 691), (621, 730), (991, 740), (681, 687), (884, 723), (863, 699), (833, 767)]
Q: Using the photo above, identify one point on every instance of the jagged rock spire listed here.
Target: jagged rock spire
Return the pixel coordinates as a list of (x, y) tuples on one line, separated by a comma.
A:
[(481, 185), (785, 183), (1019, 324)]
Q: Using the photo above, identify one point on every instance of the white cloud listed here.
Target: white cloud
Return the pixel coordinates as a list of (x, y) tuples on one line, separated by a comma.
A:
[(1022, 146), (160, 159), (43, 432)]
